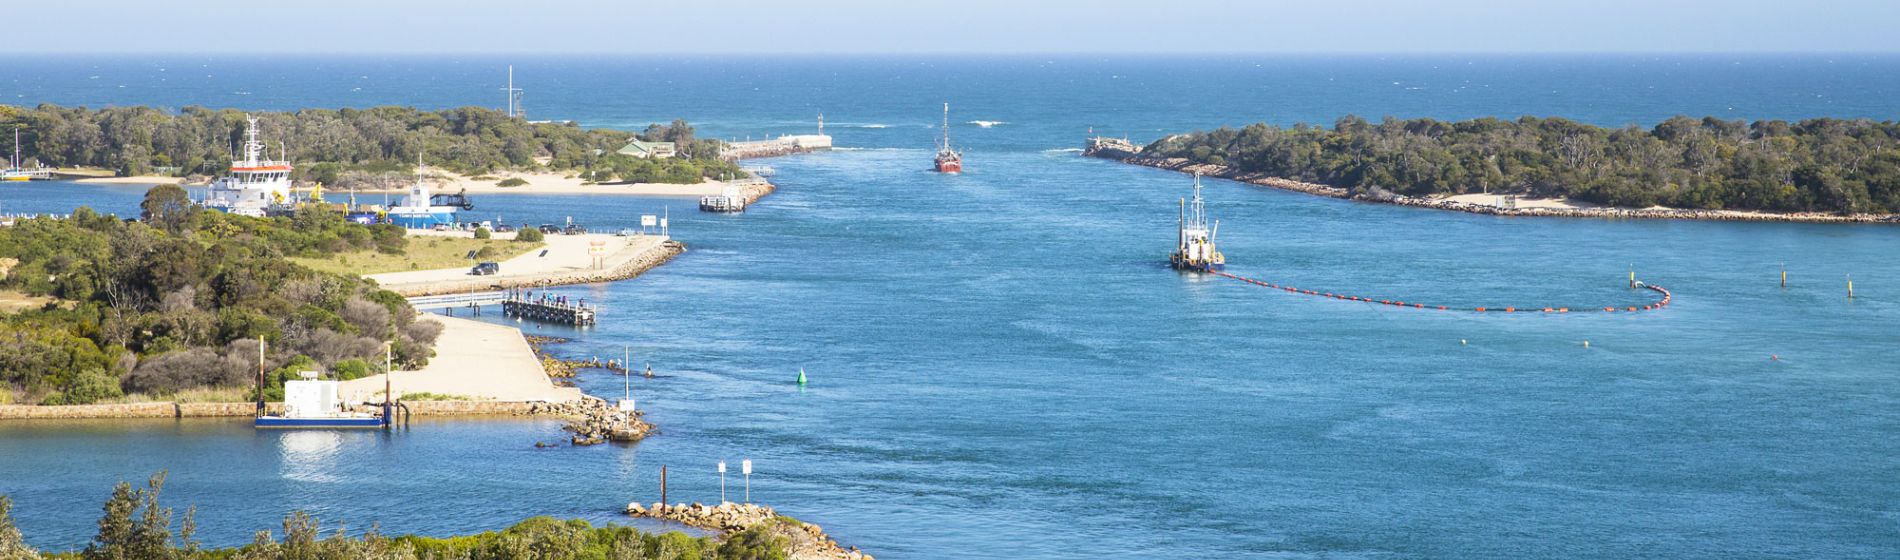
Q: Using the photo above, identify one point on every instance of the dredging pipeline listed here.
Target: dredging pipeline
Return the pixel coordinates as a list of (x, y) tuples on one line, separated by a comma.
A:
[(1658, 304)]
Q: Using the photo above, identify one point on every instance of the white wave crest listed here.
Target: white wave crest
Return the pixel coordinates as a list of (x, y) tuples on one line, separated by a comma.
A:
[(1063, 151), (987, 124)]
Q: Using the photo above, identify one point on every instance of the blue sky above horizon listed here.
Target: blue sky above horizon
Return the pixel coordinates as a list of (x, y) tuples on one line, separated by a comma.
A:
[(953, 27)]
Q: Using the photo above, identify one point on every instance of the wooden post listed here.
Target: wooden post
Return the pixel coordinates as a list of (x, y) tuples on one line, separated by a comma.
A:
[(663, 485)]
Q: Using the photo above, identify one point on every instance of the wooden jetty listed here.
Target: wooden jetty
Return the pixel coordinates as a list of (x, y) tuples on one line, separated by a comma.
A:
[(548, 310)]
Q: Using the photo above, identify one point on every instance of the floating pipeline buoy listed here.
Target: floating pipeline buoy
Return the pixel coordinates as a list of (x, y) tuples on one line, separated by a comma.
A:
[(1667, 298), (801, 376)]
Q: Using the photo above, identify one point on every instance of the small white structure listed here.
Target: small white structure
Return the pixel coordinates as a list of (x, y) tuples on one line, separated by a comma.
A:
[(311, 397)]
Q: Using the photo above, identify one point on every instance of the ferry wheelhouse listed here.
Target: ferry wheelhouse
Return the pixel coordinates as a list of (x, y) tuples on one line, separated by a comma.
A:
[(422, 210), (256, 186), (1194, 246), (948, 160)]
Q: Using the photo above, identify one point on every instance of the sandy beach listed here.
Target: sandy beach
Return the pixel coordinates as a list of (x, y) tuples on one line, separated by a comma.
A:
[(475, 360), (146, 180), (567, 183), (566, 259)]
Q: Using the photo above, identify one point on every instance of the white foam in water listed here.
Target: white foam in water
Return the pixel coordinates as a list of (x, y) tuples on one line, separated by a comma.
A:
[(987, 124), (1063, 151)]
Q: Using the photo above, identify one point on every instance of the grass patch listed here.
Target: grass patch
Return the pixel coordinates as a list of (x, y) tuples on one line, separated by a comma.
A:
[(11, 301), (426, 252)]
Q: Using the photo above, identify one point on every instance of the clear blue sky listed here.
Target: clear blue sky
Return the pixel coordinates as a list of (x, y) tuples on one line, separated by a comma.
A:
[(950, 26)]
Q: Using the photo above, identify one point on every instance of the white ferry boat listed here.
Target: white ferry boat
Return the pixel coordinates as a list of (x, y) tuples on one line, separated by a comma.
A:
[(256, 186), (422, 210)]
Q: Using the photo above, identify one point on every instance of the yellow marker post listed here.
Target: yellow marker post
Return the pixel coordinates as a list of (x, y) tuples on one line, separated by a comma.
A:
[(1850, 286)]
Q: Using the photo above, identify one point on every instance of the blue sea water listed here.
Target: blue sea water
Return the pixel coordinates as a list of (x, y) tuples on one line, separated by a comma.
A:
[(1003, 366)]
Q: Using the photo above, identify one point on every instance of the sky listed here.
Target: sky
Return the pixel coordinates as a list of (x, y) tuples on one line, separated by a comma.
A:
[(948, 26)]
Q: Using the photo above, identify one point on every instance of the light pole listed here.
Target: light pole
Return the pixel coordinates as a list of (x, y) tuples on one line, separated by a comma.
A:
[(746, 466), (722, 482)]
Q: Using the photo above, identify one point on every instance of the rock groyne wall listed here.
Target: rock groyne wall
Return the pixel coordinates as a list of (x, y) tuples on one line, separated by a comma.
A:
[(626, 268), (245, 409), (806, 541)]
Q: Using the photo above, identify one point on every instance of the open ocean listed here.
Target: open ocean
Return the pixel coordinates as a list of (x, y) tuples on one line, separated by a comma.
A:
[(1003, 366)]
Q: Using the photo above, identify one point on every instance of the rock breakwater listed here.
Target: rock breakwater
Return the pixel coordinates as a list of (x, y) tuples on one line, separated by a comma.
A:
[(807, 541), (594, 422)]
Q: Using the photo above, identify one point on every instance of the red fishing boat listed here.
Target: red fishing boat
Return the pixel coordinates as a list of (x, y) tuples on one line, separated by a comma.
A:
[(948, 160)]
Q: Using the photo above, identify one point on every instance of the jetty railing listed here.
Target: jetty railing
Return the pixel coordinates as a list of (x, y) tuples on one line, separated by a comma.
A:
[(548, 308)]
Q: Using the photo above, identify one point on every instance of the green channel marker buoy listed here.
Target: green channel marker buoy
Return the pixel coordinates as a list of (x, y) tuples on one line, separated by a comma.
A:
[(801, 376)]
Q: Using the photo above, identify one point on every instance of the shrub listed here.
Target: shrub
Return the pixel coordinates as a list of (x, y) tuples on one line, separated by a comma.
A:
[(12, 545), (529, 235), (485, 252), (197, 367), (353, 368), (512, 182), (483, 233), (91, 386)]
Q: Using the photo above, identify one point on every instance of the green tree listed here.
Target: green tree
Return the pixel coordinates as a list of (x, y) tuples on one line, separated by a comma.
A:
[(167, 207), (12, 544)]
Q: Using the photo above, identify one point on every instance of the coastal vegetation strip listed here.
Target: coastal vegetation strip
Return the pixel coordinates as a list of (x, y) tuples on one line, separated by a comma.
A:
[(136, 524), (1683, 165), (356, 148), (182, 299)]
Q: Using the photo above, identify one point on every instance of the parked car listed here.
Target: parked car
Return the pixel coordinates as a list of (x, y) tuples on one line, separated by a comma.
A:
[(440, 227), (575, 229), (626, 232), (504, 228), (486, 269), (550, 228)]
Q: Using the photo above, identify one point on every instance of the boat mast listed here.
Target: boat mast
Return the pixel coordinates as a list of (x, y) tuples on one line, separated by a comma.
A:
[(260, 375), (16, 147), (946, 127)]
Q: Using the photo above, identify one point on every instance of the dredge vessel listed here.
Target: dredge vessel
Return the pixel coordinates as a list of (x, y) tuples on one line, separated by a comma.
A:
[(257, 186), (1194, 245)]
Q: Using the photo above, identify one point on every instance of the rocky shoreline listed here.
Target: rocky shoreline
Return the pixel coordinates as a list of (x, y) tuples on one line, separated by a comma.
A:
[(807, 541), (1122, 151), (593, 422)]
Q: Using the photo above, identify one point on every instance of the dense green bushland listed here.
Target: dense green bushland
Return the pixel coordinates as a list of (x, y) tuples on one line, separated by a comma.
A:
[(180, 299), (697, 158), (1828, 165), (136, 526), (330, 146)]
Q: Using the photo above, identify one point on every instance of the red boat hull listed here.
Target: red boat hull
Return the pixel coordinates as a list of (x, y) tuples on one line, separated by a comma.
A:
[(949, 166)]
